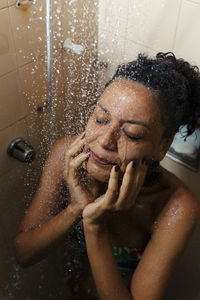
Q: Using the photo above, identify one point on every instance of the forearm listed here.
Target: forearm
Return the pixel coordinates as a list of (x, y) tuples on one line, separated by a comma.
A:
[(34, 244), (108, 280)]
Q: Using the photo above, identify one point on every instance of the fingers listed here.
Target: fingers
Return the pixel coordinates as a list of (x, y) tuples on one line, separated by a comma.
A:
[(113, 189), (77, 161), (74, 157), (123, 198), (75, 147), (132, 183), (128, 176)]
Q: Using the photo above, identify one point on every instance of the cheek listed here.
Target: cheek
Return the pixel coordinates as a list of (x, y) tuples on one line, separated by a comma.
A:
[(92, 131), (134, 151), (89, 130)]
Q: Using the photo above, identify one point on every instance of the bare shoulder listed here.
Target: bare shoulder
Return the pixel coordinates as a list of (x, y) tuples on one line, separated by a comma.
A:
[(181, 203), (56, 155), (61, 145)]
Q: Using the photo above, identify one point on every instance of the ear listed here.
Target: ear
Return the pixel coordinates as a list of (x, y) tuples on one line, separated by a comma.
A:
[(164, 146)]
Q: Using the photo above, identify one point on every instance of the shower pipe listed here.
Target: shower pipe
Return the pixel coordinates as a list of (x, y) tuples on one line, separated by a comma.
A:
[(49, 69)]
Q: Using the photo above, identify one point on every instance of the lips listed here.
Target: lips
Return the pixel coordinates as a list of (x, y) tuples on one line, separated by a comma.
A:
[(100, 160)]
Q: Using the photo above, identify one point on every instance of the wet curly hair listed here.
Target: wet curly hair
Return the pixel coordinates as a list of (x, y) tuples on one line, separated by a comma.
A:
[(175, 83)]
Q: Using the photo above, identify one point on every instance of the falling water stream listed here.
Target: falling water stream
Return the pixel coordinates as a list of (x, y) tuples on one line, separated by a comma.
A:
[(49, 67)]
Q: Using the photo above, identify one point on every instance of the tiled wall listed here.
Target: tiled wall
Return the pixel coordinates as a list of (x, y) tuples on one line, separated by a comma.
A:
[(150, 26), (20, 47), (80, 25), (23, 87)]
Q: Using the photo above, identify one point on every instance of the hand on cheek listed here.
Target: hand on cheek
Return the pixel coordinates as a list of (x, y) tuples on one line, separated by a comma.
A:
[(119, 196)]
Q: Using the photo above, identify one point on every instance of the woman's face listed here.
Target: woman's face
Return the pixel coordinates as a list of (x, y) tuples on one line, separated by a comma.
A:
[(125, 126)]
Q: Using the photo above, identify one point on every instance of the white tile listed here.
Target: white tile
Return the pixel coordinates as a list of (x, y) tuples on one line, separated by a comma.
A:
[(11, 106), (3, 3), (131, 51), (194, 1), (11, 2), (116, 9), (80, 21), (56, 23), (7, 51), (110, 47), (187, 42), (102, 11), (111, 51), (153, 23), (113, 16)]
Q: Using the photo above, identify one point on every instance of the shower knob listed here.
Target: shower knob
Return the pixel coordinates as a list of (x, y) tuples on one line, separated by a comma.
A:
[(20, 150)]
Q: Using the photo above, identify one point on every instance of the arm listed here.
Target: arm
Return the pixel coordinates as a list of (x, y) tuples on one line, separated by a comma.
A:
[(44, 223), (109, 282), (170, 235), (171, 232)]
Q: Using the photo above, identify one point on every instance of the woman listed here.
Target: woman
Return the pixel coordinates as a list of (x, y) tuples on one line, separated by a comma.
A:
[(136, 216)]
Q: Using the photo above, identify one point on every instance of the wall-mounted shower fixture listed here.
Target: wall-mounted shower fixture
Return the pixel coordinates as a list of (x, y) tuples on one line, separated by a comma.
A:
[(44, 106), (24, 3), (21, 150), (78, 49)]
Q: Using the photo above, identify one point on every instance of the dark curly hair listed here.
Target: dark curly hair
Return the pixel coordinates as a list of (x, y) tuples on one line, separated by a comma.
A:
[(175, 83)]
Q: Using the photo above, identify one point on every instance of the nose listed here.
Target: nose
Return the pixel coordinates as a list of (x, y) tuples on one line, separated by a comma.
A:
[(108, 138)]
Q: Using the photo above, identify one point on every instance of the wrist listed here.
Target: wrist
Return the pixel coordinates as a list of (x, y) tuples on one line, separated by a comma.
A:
[(74, 210), (96, 228)]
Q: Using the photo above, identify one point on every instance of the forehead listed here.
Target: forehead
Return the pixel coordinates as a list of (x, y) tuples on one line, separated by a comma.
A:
[(130, 100)]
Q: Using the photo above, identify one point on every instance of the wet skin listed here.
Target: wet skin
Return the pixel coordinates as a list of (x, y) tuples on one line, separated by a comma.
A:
[(125, 126)]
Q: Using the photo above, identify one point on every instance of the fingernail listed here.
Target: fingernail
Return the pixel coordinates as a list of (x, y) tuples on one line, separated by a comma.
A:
[(116, 168), (83, 137), (133, 163)]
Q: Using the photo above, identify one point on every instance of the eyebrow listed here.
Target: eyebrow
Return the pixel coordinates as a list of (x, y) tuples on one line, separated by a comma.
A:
[(104, 109), (137, 122)]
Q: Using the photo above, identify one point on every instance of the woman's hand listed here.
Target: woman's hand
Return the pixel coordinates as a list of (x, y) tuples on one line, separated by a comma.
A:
[(74, 158), (117, 198)]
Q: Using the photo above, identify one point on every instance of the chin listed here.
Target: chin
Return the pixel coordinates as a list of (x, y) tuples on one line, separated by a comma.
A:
[(97, 172)]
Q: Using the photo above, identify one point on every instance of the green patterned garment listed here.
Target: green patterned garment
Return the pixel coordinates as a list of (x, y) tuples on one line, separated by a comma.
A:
[(127, 258)]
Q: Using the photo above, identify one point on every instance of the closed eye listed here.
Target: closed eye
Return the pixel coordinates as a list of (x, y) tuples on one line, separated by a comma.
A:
[(133, 138), (101, 122)]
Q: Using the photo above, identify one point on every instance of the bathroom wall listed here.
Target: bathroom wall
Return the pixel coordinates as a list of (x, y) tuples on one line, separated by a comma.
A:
[(80, 23), (23, 82), (150, 27), (23, 89)]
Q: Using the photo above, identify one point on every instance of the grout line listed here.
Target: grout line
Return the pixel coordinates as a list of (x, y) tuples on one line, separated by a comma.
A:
[(176, 27), (10, 125), (20, 67), (193, 1), (142, 45)]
